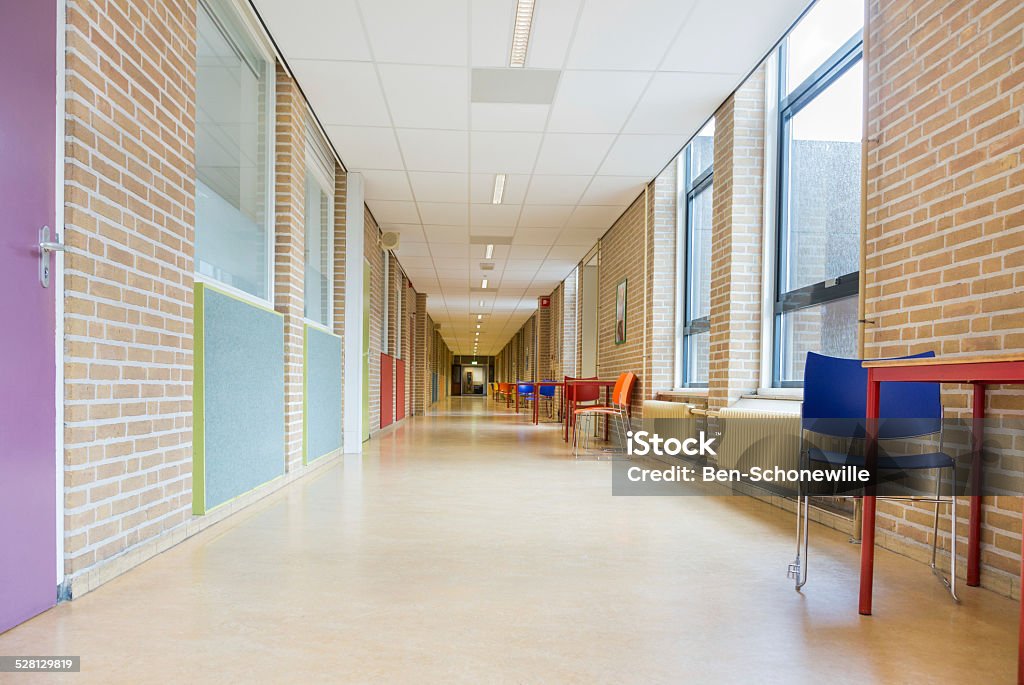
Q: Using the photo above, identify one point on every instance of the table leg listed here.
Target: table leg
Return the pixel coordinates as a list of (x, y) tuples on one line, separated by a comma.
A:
[(607, 403), (867, 542), (536, 404), (1020, 628), (517, 398), (974, 523)]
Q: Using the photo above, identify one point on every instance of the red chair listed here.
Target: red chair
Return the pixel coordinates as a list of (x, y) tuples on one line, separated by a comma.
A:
[(575, 394), (621, 408)]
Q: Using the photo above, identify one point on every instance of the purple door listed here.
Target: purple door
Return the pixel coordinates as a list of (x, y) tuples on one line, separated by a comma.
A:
[(28, 72)]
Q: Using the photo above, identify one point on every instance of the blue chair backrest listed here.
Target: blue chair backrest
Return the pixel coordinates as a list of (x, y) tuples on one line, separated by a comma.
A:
[(547, 390), (835, 401), (525, 388)]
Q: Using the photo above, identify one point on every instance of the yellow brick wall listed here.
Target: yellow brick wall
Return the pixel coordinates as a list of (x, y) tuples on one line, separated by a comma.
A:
[(129, 225), (945, 217)]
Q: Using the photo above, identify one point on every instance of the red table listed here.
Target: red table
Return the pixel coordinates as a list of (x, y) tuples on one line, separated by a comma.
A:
[(979, 371), (536, 386), (535, 389)]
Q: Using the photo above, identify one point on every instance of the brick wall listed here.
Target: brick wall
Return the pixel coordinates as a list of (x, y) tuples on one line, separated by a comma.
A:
[(289, 251), (945, 215), (375, 257), (129, 226), (421, 366), (623, 257), (737, 225)]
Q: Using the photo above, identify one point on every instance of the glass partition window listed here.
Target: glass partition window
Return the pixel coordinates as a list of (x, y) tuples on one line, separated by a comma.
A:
[(818, 247), (234, 96), (319, 238), (695, 199)]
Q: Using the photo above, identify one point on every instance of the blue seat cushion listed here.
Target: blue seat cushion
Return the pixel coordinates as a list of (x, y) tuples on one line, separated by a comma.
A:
[(932, 460)]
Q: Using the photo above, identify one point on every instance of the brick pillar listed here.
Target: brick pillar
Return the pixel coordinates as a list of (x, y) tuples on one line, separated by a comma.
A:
[(289, 266), (391, 293), (545, 360), (340, 245), (569, 338), (421, 379), (736, 244), (661, 284)]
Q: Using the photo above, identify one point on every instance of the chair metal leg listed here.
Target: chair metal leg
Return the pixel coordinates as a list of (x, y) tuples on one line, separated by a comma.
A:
[(950, 581), (798, 569)]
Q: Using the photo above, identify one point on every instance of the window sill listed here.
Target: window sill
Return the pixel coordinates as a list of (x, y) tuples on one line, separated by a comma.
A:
[(784, 394), (683, 394)]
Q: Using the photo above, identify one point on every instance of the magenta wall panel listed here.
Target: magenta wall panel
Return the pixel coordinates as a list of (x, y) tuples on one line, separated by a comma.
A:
[(28, 478)]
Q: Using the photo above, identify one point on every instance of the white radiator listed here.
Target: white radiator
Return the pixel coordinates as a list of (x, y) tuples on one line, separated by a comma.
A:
[(660, 409), (758, 438)]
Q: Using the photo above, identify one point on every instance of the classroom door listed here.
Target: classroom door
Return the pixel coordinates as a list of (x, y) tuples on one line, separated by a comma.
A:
[(28, 402)]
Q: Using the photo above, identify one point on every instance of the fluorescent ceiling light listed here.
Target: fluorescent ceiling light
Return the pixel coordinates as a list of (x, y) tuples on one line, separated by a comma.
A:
[(499, 190), (479, 317), (478, 325), (489, 250), (521, 33), (482, 303), (483, 283)]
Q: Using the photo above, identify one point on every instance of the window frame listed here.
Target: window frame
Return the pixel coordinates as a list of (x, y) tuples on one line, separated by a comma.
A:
[(789, 105), (245, 21), (689, 189)]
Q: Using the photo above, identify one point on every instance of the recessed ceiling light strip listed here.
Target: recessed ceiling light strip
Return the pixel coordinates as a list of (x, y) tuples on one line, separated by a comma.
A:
[(499, 189), (521, 33)]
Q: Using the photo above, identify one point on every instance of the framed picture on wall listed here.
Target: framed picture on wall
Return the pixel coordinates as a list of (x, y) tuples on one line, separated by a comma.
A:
[(620, 312)]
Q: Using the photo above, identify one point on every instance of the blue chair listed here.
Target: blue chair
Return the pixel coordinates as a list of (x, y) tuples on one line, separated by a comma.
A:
[(546, 393), (835, 406), (525, 391)]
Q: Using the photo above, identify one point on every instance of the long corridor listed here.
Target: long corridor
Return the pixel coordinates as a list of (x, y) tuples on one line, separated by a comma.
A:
[(469, 546)]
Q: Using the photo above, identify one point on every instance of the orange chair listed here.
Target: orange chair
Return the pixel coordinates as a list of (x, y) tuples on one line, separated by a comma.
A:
[(620, 407), (506, 389)]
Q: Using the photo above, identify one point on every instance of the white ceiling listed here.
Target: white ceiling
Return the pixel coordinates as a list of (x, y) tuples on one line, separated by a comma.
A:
[(390, 81)]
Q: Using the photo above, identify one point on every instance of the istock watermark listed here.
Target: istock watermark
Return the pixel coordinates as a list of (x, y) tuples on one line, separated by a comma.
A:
[(786, 455), (642, 444)]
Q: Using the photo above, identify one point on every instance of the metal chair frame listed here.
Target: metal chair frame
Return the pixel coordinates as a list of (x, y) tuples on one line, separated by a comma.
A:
[(618, 407), (797, 570)]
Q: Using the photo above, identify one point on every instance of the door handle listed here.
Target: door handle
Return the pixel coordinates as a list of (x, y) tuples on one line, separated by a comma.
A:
[(47, 247)]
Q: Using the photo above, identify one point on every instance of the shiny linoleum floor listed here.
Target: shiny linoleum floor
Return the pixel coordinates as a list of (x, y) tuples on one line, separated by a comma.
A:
[(468, 546)]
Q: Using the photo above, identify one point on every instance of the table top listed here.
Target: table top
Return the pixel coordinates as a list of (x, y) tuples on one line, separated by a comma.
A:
[(942, 361), (989, 369)]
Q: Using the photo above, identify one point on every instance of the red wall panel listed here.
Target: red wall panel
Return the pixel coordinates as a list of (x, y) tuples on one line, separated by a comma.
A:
[(387, 390)]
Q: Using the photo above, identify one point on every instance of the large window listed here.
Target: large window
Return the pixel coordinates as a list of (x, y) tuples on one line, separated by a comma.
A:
[(818, 247), (234, 97), (696, 171), (319, 240)]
